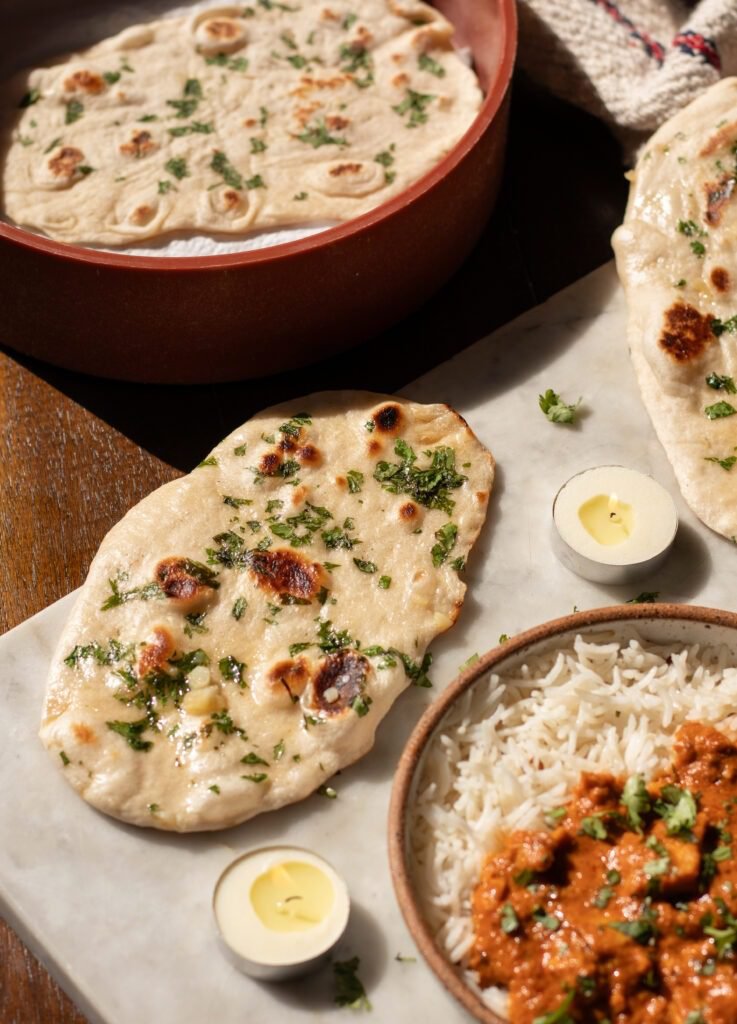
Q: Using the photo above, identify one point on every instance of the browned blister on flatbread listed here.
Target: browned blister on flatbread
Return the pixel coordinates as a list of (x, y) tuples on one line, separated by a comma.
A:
[(243, 630), (676, 259)]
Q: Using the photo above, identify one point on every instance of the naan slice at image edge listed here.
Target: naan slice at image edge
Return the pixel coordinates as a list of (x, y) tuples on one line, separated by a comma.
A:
[(243, 630), (677, 261)]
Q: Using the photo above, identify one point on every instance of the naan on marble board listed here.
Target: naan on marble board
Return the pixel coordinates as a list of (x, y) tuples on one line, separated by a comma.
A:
[(244, 629), (235, 118), (677, 260)]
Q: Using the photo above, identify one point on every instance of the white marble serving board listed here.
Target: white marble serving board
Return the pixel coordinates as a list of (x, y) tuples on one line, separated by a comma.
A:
[(122, 916)]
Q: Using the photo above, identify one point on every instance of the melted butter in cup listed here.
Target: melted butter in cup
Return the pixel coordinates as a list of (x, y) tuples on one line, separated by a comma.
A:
[(612, 524), (279, 912)]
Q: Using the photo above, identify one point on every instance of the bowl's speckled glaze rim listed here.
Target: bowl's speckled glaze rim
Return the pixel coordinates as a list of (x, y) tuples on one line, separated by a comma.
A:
[(434, 715), (492, 102)]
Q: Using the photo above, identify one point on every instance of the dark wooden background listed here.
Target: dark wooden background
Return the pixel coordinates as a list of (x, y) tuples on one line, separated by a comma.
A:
[(77, 452)]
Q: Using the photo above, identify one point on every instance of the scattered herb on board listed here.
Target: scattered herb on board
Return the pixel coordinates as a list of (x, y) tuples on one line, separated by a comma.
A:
[(349, 990), (556, 410), (645, 597)]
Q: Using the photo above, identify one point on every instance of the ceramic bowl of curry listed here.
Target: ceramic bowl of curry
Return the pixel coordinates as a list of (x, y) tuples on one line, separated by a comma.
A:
[(682, 865), (250, 314)]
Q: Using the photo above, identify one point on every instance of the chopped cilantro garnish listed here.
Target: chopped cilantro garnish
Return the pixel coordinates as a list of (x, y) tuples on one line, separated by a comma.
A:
[(726, 463), (678, 809), (177, 167), (240, 450), (131, 733), (239, 607), (548, 921), (356, 57), (256, 777), (214, 789), (556, 409), (64, 759), (211, 460), (446, 537), (29, 98), (385, 582), (196, 127), (74, 110), (300, 196), (310, 520), (254, 759), (327, 791), (258, 145), (560, 1014), (719, 410), (428, 486), (317, 135), (355, 481), (427, 63), (414, 104), (255, 182), (364, 566), (349, 990), (361, 705), (720, 383), (232, 669), (145, 592), (508, 919), (192, 95), (636, 799), (337, 538), (222, 60), (644, 597), (642, 930), (719, 327), (593, 827), (221, 165), (278, 752)]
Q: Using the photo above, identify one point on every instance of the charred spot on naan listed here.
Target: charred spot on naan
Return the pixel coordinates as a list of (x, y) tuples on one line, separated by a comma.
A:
[(308, 455), (289, 677), (339, 682), (388, 419), (156, 652), (718, 194), (409, 513), (88, 82), (286, 572), (720, 279), (189, 584), (65, 164), (686, 333), (725, 136), (83, 733), (140, 144)]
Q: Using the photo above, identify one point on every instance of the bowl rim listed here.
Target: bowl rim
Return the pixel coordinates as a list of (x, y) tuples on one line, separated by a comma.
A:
[(492, 102), (424, 729)]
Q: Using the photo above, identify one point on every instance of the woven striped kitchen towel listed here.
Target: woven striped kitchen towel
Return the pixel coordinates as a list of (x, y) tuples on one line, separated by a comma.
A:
[(632, 62)]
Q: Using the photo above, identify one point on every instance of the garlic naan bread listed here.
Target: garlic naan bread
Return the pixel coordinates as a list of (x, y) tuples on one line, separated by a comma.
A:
[(243, 630), (677, 259), (236, 118)]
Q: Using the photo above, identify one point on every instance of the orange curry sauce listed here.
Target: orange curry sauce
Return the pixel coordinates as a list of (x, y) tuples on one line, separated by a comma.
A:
[(626, 910)]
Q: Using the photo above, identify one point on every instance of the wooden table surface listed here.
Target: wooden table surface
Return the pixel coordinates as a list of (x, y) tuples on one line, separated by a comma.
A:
[(76, 453)]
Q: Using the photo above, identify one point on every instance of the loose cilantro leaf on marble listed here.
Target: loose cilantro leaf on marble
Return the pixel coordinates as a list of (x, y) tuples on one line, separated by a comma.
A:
[(349, 990), (556, 410)]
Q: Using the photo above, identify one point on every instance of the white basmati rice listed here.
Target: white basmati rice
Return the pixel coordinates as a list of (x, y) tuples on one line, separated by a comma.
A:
[(514, 746)]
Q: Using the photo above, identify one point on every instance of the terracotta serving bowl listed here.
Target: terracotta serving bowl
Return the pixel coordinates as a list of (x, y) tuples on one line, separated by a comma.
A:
[(662, 623), (216, 318)]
